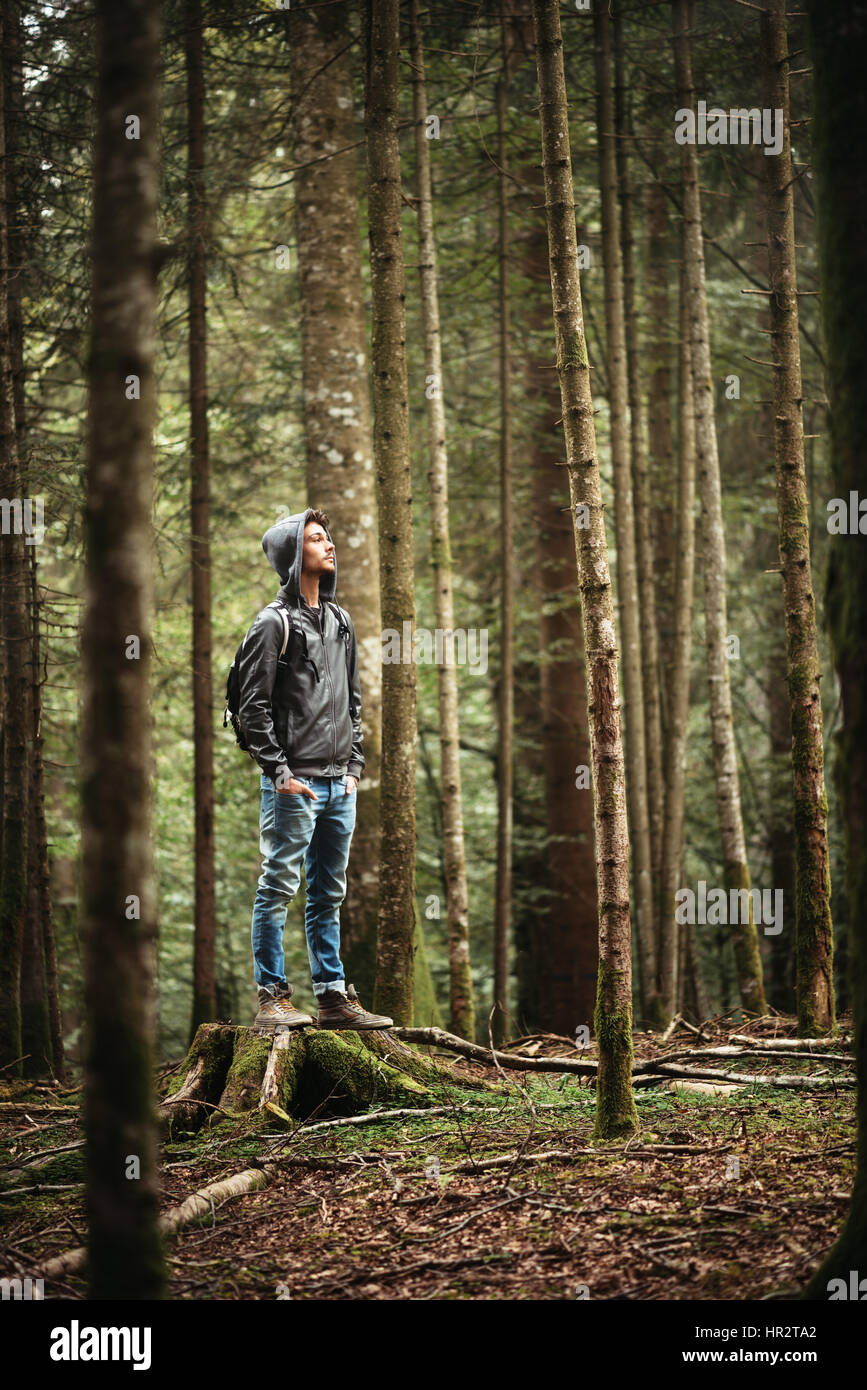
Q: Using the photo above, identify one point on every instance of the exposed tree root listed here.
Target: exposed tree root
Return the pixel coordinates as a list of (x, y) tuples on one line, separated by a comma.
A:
[(298, 1072)]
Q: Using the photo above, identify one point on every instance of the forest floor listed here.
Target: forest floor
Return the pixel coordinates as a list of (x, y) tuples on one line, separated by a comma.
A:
[(726, 1196)]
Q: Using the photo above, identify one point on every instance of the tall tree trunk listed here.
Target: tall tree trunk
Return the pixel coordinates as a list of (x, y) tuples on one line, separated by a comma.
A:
[(624, 512), (395, 937), (736, 874), (781, 991), (463, 1021), (838, 41), (48, 1041), (337, 425), (204, 938), (663, 480), (118, 896), (15, 634), (530, 869), (615, 1106), (640, 487), (813, 928), (678, 673), (36, 1044), (506, 675), (515, 43), (566, 934)]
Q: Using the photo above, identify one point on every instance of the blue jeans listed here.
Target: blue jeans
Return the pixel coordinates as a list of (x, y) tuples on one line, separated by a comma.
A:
[(293, 827)]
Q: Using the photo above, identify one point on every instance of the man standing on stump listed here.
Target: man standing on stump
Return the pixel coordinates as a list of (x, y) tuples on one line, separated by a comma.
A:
[(300, 709)]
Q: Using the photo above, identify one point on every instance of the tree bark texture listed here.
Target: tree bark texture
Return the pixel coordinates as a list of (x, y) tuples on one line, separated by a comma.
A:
[(813, 927), (624, 510), (460, 975), (615, 1107), (640, 483), (204, 934), (713, 548), (838, 52), (678, 676), (15, 634), (566, 944), (118, 908), (395, 937)]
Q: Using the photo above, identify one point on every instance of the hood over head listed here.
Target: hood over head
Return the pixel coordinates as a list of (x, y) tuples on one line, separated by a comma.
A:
[(283, 543)]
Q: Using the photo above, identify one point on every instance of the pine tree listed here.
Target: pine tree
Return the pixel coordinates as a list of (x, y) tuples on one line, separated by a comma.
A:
[(396, 934), (615, 1106), (118, 906)]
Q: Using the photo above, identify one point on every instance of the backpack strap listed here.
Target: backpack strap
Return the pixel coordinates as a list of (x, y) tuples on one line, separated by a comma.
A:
[(291, 619), (342, 622), (282, 611)]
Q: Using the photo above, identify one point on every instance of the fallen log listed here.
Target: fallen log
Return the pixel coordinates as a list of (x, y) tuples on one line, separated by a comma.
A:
[(198, 1204)]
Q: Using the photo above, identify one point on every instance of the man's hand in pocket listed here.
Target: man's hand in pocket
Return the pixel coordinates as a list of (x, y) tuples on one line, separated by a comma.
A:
[(293, 785)]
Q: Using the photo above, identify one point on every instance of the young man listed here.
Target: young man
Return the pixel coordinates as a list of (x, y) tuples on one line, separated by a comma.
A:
[(302, 722)]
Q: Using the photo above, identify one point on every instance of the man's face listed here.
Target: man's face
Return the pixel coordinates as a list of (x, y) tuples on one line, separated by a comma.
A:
[(318, 556)]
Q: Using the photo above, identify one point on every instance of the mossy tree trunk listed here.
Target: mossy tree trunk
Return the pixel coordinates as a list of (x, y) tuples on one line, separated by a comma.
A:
[(46, 1044), (14, 629), (118, 907), (500, 1025), (396, 931), (736, 874), (838, 41), (463, 1021), (813, 928), (337, 426), (204, 935), (615, 1106), (624, 512)]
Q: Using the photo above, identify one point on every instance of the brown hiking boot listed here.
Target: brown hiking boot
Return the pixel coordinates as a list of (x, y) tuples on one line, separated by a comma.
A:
[(337, 1010), (275, 1010)]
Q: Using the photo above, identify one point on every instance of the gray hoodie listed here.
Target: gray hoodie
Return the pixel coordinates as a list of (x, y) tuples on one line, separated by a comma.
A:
[(308, 717)]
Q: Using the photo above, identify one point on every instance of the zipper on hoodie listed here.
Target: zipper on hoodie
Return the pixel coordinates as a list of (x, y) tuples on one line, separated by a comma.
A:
[(330, 686)]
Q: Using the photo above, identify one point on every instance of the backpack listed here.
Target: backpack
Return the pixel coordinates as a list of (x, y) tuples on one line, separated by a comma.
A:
[(291, 622)]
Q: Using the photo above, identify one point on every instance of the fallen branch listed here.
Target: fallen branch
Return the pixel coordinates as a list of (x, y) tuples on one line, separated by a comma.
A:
[(43, 1187), (786, 1044), (805, 1083), (567, 1155), (726, 1050), (373, 1118), (196, 1205), (438, 1037)]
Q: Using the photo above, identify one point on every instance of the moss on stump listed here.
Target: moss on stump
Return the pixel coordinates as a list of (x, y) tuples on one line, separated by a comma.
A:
[(240, 1071)]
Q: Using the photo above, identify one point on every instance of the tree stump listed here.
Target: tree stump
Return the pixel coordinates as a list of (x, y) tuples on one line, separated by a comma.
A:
[(292, 1073)]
